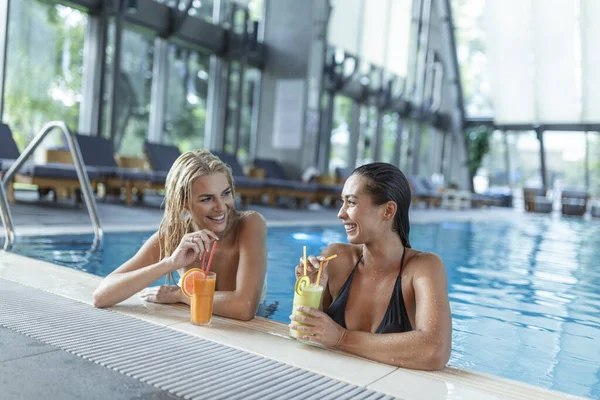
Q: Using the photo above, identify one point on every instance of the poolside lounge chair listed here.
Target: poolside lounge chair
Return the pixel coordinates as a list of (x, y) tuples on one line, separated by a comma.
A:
[(99, 153), (48, 176), (341, 174), (279, 185), (160, 156), (247, 188), (596, 210), (329, 191), (536, 201), (453, 199), (422, 193), (574, 202)]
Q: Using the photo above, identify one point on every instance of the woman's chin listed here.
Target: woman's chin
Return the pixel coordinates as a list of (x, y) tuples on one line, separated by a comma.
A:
[(352, 238), (218, 228)]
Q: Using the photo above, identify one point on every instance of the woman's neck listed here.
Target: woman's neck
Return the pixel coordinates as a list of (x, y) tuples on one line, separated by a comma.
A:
[(384, 254)]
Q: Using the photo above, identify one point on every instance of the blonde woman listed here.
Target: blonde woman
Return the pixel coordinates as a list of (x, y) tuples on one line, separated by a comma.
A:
[(199, 209)]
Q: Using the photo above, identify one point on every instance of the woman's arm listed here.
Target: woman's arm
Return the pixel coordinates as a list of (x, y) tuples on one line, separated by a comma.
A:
[(242, 303), (145, 267), (134, 275), (427, 347)]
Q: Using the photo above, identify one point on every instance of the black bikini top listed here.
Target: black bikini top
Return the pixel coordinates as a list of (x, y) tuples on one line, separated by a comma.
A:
[(395, 319)]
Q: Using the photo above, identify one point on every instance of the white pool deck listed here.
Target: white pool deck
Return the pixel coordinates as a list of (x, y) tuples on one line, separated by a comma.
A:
[(268, 338)]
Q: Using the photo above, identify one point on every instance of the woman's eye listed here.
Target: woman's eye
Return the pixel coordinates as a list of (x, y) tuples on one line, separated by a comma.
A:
[(205, 200), (227, 193)]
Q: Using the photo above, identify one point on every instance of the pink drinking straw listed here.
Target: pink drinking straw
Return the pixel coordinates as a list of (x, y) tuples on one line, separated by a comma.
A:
[(212, 253), (202, 264)]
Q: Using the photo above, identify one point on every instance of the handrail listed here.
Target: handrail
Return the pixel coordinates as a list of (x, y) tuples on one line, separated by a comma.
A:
[(6, 219), (86, 188)]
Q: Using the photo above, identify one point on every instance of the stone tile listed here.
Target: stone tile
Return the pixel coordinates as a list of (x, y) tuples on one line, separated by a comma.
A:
[(61, 375), (14, 345)]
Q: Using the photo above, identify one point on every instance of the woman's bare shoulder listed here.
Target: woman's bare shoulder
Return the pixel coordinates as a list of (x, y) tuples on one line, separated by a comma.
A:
[(425, 262), (342, 250), (347, 255), (251, 220), (251, 215)]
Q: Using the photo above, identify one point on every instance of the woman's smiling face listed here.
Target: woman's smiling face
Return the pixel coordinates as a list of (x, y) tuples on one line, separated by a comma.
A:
[(360, 216), (212, 201)]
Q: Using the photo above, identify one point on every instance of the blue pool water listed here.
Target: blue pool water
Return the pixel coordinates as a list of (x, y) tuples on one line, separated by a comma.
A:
[(525, 296)]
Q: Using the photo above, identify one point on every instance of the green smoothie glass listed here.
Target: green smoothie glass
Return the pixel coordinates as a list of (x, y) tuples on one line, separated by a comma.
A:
[(309, 295)]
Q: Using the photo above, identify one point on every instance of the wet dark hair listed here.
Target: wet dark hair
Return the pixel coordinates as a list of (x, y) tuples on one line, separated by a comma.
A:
[(388, 183)]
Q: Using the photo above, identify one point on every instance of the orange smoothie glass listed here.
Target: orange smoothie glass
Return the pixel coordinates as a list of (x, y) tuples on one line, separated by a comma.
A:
[(201, 304)]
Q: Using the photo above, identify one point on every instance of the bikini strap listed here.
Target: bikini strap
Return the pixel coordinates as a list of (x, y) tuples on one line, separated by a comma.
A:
[(358, 262)]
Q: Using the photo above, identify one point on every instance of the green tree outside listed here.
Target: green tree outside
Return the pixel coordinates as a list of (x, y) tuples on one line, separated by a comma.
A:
[(44, 67)]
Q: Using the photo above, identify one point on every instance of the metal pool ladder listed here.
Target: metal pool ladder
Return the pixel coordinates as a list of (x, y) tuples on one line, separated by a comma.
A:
[(88, 196)]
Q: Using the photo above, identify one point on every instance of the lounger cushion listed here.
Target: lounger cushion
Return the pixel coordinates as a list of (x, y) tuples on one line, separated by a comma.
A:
[(418, 190), (574, 194), (160, 156), (244, 182), (158, 177), (6, 164), (272, 168), (232, 161), (129, 174), (97, 151), (8, 147), (334, 189), (291, 185), (343, 173), (55, 170)]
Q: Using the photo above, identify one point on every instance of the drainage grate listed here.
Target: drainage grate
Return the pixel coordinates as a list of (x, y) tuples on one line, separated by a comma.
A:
[(181, 364)]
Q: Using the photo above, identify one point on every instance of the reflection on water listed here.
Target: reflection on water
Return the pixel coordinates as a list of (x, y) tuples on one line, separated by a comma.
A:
[(524, 295)]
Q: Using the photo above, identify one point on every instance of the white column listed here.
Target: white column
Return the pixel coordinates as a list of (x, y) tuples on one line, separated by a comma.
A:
[(160, 79)]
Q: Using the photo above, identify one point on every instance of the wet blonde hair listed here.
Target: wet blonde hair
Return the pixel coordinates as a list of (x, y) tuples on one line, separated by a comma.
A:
[(177, 220)]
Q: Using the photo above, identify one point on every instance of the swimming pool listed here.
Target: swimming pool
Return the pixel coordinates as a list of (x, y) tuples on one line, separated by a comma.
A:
[(524, 295)]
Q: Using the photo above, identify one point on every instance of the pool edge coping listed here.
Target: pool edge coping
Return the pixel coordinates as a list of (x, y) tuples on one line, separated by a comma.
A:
[(469, 379)]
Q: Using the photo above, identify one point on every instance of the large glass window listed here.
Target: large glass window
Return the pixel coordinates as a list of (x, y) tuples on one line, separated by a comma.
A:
[(44, 67), (251, 81), (243, 110), (255, 11), (340, 134), (594, 163), (406, 147), (389, 134), (134, 92), (425, 153), (565, 160), (524, 150), (493, 166), (368, 122), (202, 9), (232, 106), (472, 58), (187, 92)]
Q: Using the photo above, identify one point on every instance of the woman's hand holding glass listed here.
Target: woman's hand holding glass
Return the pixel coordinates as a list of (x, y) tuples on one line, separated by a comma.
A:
[(319, 328)]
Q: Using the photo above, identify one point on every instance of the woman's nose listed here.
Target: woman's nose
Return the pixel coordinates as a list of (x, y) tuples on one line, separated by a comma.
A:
[(342, 213), (219, 205)]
